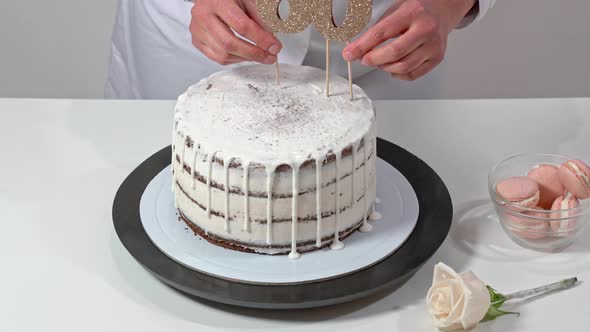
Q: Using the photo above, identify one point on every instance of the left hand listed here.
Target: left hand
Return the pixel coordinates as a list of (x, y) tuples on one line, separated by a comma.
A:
[(420, 29)]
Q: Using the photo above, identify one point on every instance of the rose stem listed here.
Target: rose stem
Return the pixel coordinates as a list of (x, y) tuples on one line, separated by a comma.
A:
[(564, 284)]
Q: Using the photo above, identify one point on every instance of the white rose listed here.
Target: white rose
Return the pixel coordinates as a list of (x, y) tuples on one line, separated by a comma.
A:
[(456, 301)]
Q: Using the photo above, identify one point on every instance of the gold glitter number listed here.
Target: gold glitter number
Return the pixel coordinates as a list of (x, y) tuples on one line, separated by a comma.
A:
[(299, 15), (358, 14), (319, 12)]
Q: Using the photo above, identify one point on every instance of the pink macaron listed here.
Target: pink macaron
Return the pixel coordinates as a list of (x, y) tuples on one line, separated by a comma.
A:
[(575, 177), (520, 190), (550, 186), (529, 226), (568, 221)]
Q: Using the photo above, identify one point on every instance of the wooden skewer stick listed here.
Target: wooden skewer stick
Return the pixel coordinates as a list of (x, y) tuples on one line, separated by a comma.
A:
[(350, 78), (327, 67), (277, 71), (277, 75)]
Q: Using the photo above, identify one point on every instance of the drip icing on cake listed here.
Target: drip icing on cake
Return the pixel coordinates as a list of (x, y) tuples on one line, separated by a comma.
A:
[(194, 184), (294, 216), (246, 166), (337, 244), (226, 163), (365, 227), (270, 176), (209, 167), (375, 216), (318, 202)]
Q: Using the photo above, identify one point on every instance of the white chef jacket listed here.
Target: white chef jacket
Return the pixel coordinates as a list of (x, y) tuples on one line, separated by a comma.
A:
[(152, 56)]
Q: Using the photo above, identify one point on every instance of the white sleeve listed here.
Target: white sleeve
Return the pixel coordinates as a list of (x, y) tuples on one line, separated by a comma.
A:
[(476, 13), (484, 5)]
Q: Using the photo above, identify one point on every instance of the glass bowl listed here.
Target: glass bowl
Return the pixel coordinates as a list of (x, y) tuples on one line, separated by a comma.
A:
[(534, 228)]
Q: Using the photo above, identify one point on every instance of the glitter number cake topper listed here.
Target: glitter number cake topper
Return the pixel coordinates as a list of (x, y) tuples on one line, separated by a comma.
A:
[(319, 14)]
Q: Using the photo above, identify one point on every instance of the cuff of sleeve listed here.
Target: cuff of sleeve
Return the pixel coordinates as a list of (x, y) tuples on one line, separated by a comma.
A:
[(476, 13)]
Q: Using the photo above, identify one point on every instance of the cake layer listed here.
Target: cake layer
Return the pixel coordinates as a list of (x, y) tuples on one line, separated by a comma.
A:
[(274, 235), (233, 244), (281, 202), (199, 166)]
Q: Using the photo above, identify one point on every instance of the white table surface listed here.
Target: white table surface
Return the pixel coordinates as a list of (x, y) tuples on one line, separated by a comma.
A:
[(64, 269)]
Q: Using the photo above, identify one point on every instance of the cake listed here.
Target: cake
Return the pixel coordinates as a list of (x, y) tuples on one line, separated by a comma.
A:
[(273, 168)]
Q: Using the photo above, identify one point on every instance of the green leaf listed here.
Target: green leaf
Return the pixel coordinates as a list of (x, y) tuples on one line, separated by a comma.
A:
[(497, 299), (494, 312)]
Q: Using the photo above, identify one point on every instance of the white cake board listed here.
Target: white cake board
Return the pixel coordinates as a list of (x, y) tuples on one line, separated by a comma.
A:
[(399, 208)]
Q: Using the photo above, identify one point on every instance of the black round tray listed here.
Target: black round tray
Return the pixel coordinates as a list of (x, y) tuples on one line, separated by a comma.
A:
[(434, 221)]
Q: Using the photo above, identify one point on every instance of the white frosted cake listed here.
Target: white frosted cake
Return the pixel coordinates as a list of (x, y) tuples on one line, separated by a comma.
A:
[(274, 169)]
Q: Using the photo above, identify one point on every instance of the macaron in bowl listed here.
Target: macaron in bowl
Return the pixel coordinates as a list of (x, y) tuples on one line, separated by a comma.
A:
[(563, 216), (575, 176), (521, 191), (547, 177)]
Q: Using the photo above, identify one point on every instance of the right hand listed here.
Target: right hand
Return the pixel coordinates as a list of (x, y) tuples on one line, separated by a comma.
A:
[(211, 28)]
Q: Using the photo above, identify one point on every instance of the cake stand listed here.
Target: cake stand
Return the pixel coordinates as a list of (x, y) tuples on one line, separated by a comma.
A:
[(163, 249)]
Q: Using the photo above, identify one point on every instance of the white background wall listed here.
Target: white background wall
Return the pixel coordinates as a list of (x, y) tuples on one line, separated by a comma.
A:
[(523, 48)]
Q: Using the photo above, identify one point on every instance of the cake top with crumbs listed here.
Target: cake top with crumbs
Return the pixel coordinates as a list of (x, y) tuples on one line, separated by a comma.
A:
[(244, 113)]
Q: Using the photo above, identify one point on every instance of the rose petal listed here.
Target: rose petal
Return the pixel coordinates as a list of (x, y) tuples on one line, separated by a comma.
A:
[(440, 292), (477, 300), (457, 311), (440, 303), (437, 300), (456, 290), (443, 272)]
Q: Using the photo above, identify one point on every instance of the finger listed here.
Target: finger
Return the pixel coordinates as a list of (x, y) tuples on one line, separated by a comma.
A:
[(410, 62), (398, 48), (216, 56), (389, 27), (223, 40), (422, 70), (241, 23)]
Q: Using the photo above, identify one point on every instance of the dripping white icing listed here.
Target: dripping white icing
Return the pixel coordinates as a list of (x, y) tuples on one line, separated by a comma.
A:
[(318, 201), (365, 227), (354, 147), (270, 174), (194, 169), (294, 216), (246, 189), (336, 243), (226, 162), (172, 163), (183, 152), (173, 146), (174, 174), (375, 216), (209, 166)]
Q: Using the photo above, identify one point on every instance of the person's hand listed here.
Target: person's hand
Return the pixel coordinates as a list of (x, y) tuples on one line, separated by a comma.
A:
[(211, 27), (421, 27)]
